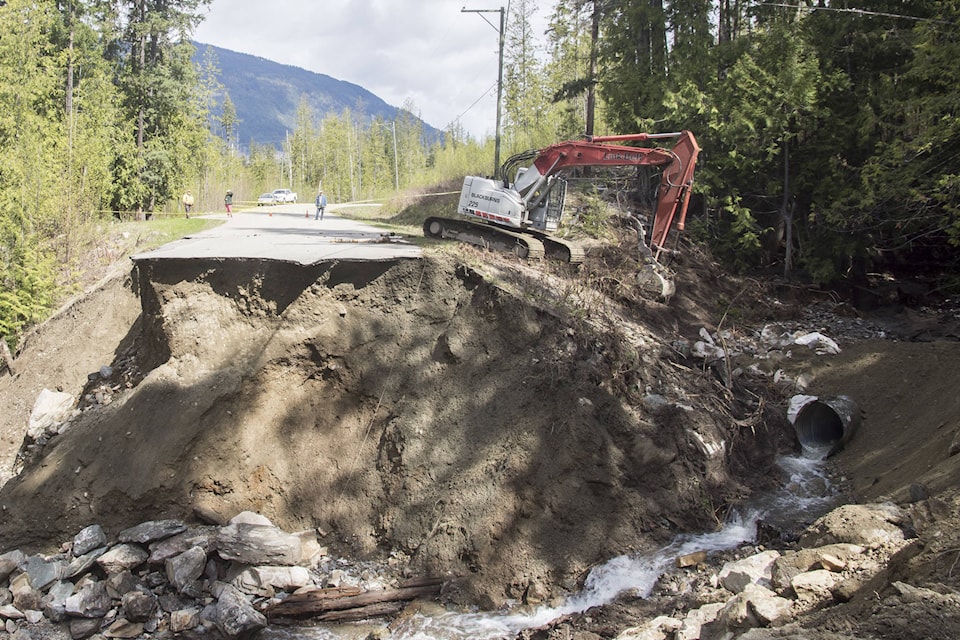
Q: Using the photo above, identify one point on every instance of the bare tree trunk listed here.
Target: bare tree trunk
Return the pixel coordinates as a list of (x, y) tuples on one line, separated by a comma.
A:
[(592, 79), (786, 212)]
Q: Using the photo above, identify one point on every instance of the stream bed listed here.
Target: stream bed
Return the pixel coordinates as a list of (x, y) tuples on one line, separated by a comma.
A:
[(806, 493)]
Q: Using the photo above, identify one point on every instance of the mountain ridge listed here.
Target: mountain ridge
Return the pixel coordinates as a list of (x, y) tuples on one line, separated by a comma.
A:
[(266, 95)]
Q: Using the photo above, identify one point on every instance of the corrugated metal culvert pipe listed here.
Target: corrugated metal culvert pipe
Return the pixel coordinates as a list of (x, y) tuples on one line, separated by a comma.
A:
[(824, 424)]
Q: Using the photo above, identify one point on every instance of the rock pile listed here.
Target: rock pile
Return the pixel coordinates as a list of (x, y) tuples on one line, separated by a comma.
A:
[(162, 579), (834, 559)]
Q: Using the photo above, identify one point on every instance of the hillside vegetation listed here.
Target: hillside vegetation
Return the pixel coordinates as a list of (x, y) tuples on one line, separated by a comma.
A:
[(829, 136)]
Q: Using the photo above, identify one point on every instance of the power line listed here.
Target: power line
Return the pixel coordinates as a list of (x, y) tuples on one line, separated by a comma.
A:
[(482, 96), (857, 11)]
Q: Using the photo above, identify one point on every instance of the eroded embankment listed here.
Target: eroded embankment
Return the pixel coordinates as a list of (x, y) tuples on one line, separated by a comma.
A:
[(409, 407)]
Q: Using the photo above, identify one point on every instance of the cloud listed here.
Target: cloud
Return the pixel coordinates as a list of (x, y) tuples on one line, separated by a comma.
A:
[(427, 51)]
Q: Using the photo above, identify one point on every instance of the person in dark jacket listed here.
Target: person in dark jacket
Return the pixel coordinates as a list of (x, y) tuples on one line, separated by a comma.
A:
[(321, 205)]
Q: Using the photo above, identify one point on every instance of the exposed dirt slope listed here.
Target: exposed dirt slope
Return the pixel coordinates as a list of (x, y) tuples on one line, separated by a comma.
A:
[(510, 433)]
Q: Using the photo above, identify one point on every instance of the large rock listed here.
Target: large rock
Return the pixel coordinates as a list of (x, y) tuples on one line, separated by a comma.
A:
[(185, 569), (184, 620), (794, 563), (870, 526), (123, 557), (755, 606), (139, 606), (755, 569), (693, 623), (660, 628), (265, 581), (92, 601), (258, 545), (25, 597), (88, 539), (50, 409), (81, 628), (44, 572), (148, 532), (203, 537), (54, 604), (815, 586), (10, 562), (235, 617), (81, 565)]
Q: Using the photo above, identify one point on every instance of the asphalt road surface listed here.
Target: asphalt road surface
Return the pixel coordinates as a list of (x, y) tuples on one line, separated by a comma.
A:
[(289, 233)]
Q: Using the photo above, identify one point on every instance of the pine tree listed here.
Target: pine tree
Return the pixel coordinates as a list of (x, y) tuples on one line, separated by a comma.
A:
[(152, 50)]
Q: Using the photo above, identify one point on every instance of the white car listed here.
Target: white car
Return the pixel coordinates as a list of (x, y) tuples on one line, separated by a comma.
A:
[(266, 199), (284, 195)]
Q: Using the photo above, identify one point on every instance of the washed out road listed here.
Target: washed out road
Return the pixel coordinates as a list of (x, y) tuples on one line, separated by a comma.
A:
[(288, 233)]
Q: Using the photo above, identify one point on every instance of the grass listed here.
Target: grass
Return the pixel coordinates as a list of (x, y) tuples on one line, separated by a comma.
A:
[(101, 244)]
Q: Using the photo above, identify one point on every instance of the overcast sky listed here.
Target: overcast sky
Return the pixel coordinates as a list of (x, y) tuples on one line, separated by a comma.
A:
[(426, 50)]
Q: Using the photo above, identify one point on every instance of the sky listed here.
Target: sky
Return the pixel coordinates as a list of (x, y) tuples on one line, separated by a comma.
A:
[(427, 51)]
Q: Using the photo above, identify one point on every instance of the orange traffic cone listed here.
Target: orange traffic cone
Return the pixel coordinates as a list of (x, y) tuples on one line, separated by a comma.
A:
[(306, 214)]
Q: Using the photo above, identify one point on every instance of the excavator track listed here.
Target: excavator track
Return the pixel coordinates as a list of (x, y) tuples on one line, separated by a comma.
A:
[(486, 236), (560, 250)]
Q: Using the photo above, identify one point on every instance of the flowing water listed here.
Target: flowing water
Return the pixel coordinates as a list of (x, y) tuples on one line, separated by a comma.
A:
[(807, 493)]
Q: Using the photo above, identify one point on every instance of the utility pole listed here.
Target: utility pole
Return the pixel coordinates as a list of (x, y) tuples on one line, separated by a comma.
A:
[(396, 164), (503, 19)]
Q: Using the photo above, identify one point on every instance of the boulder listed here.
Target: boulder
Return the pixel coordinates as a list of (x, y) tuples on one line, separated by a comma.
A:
[(10, 562), (815, 586), (88, 539), (692, 624), (150, 531), (794, 563), (869, 526), (258, 545), (660, 628), (755, 569), (185, 569), (123, 557), (50, 409), (235, 616), (203, 537), (91, 601)]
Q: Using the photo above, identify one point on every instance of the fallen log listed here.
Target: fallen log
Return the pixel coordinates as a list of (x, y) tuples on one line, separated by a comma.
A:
[(322, 601), (380, 610)]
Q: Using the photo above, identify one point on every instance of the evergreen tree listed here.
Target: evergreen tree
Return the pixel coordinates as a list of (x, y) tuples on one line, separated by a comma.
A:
[(633, 53), (523, 90), (156, 78), (31, 123)]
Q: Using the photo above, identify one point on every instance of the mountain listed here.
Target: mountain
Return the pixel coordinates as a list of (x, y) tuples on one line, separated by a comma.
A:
[(266, 95)]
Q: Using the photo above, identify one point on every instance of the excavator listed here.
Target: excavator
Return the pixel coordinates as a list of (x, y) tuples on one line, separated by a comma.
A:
[(520, 217)]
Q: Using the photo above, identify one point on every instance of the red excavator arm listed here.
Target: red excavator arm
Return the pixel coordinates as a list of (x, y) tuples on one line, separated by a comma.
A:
[(678, 165)]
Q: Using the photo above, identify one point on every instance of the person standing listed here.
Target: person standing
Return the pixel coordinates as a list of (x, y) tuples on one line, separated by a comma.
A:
[(187, 203), (321, 205), (228, 203)]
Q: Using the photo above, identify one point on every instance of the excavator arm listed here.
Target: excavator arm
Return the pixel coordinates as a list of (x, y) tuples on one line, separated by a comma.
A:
[(678, 166)]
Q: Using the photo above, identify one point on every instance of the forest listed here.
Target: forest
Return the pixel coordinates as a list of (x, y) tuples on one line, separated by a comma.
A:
[(829, 129)]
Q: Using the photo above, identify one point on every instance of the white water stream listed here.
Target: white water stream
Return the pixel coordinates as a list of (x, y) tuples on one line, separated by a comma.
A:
[(807, 493)]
